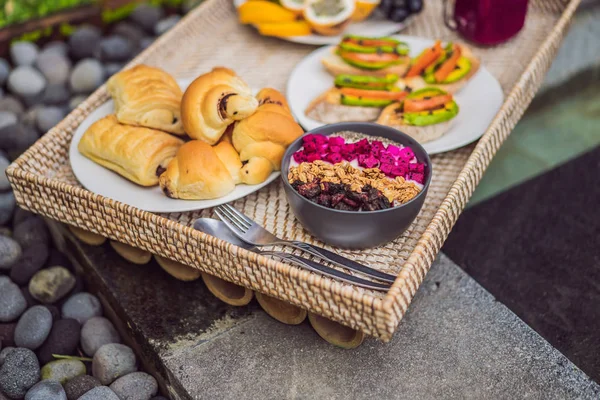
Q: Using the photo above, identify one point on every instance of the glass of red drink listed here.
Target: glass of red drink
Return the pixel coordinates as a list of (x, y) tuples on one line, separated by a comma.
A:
[(486, 22)]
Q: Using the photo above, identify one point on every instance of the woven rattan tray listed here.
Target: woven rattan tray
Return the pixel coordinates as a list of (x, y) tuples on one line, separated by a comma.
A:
[(43, 181)]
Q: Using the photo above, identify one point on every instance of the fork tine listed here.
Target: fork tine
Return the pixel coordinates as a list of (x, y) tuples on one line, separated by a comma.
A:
[(233, 215), (231, 224), (239, 214)]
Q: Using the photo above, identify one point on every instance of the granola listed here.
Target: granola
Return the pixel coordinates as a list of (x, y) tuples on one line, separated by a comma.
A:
[(397, 190)]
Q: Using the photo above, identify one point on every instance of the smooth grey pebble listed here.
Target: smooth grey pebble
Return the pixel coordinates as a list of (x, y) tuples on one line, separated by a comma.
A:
[(12, 104), (97, 332), (4, 71), (135, 386), (56, 94), (112, 361), (7, 205), (47, 118), (23, 53), (100, 393), (33, 327), (26, 82), (12, 301), (82, 306), (54, 66), (4, 184), (115, 48), (46, 390), (146, 16), (80, 385), (10, 252), (86, 76), (7, 118), (84, 41)]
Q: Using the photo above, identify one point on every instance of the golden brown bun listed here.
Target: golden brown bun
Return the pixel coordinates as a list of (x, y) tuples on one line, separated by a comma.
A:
[(147, 96), (421, 134), (133, 152), (213, 101), (230, 158), (198, 173), (130, 253), (262, 138), (327, 108), (417, 82), (336, 66)]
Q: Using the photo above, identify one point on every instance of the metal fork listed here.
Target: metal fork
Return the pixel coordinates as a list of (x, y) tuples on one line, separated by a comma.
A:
[(250, 232)]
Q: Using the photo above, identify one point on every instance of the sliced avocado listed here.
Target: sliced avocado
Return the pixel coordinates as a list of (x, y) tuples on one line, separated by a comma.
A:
[(348, 100), (424, 118), (401, 49), (366, 82), (359, 38), (369, 65), (463, 66), (425, 92)]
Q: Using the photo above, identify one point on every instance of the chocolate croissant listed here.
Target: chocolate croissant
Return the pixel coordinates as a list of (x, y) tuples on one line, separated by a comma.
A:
[(213, 101), (263, 137), (147, 96), (200, 171), (136, 153)]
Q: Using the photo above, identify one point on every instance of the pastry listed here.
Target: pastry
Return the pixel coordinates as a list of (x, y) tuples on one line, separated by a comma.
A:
[(262, 138), (425, 114), (200, 171), (358, 55), (136, 153), (355, 98), (213, 101), (448, 68), (147, 96)]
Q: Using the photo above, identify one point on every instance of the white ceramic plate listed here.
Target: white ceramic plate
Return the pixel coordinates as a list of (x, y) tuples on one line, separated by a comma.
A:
[(104, 182), (375, 25), (479, 100)]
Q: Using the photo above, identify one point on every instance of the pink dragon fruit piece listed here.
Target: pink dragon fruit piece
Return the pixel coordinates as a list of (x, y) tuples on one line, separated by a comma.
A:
[(361, 159), (334, 148), (394, 151), (299, 157), (399, 170), (363, 146), (314, 138), (386, 168), (377, 146), (407, 154), (386, 158), (336, 141), (415, 176), (313, 157), (322, 149), (416, 167), (310, 147), (349, 151), (370, 162), (333, 158)]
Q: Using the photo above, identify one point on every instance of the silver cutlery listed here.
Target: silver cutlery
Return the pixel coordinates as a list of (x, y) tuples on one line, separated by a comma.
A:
[(220, 230), (254, 234)]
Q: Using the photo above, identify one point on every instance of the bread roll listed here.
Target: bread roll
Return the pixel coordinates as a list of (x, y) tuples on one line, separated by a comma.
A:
[(262, 138), (337, 66), (213, 101), (136, 153), (200, 171), (328, 108), (147, 96)]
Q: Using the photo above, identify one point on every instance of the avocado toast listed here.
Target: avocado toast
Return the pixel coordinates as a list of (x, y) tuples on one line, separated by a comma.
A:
[(355, 98), (358, 55), (448, 68), (425, 114)]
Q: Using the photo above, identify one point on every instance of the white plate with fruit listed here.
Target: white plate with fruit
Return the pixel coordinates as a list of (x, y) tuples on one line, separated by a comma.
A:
[(322, 22)]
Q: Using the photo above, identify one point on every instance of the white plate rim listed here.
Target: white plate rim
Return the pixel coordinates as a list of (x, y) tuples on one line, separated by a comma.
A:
[(78, 164), (430, 147)]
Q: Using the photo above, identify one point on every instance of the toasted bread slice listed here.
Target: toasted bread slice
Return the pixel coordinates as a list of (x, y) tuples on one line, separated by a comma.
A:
[(421, 134), (417, 82), (327, 108), (336, 66)]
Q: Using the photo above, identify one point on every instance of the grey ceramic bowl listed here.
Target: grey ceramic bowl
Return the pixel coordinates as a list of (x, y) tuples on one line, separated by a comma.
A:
[(356, 229)]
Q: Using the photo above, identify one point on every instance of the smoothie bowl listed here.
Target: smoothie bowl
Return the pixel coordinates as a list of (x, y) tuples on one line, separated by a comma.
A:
[(356, 184)]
